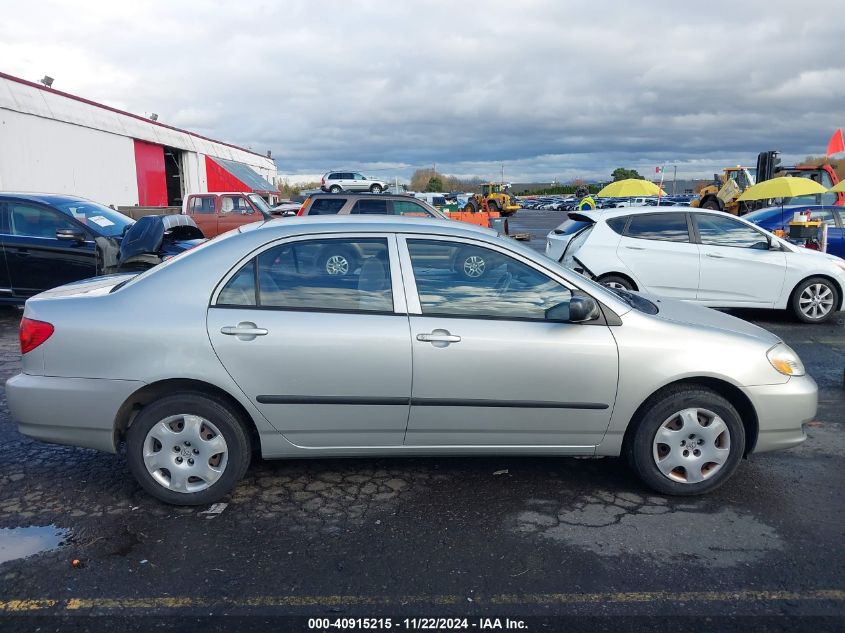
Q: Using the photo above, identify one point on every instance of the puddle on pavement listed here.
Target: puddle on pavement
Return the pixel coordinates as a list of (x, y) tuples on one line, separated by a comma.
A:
[(22, 542)]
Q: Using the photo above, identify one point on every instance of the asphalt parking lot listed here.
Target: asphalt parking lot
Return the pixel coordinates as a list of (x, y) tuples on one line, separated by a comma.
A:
[(437, 536)]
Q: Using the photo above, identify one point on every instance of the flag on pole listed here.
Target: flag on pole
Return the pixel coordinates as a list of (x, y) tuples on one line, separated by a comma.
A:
[(659, 170), (836, 143)]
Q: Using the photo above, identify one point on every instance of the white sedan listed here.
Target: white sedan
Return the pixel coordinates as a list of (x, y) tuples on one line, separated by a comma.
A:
[(698, 255)]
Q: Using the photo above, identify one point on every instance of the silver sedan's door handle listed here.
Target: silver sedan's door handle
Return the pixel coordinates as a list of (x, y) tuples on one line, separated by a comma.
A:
[(635, 248), (439, 338), (245, 330), (714, 255)]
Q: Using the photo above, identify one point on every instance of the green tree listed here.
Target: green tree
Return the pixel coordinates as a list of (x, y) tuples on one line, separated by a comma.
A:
[(434, 184), (620, 173)]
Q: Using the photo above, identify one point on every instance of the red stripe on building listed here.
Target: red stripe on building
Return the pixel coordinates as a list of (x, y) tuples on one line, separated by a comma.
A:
[(149, 170), (221, 180)]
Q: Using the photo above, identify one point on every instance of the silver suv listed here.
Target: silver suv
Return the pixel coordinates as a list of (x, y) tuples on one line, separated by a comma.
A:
[(337, 181)]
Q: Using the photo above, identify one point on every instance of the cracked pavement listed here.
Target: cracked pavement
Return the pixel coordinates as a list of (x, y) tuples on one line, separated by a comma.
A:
[(441, 535)]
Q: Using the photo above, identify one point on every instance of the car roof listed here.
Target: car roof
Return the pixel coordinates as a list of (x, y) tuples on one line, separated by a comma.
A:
[(379, 223), (362, 194), (220, 193), (615, 212), (44, 198)]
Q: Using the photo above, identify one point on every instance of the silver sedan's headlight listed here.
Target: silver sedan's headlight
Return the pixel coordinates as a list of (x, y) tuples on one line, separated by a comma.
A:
[(785, 360)]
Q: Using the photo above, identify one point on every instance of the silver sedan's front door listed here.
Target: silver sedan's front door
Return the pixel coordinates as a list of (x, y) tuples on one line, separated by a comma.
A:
[(322, 350), (489, 369)]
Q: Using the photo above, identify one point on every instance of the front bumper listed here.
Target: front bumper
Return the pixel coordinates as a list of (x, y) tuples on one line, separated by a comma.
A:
[(781, 412), (75, 411)]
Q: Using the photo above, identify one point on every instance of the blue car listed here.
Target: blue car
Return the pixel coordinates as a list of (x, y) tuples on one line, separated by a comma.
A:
[(775, 218)]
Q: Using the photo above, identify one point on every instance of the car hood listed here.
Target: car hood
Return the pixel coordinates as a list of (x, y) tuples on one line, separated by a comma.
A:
[(818, 255), (690, 314), (150, 232)]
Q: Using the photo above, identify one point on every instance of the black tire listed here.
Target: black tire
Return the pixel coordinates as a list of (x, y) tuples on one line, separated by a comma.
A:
[(376, 189), (335, 189), (640, 446), (472, 264), (471, 206), (492, 205), (827, 290), (216, 411), (616, 281), (339, 261), (711, 203)]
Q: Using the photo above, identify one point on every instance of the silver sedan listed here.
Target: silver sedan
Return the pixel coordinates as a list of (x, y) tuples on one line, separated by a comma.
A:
[(434, 338)]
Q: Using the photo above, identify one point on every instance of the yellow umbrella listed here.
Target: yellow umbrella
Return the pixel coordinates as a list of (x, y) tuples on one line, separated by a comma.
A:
[(783, 187), (840, 188), (630, 187)]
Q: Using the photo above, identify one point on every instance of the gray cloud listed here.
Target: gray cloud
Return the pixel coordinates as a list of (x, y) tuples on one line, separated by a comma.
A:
[(553, 89)]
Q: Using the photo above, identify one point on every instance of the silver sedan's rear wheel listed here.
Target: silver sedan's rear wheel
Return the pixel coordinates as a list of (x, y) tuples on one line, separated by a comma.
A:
[(188, 448), (185, 453), (688, 440)]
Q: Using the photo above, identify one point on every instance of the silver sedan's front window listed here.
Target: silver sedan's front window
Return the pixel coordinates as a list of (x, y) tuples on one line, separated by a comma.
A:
[(455, 279)]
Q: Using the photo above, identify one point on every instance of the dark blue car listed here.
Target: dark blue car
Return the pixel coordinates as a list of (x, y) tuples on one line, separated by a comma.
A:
[(775, 218), (49, 240)]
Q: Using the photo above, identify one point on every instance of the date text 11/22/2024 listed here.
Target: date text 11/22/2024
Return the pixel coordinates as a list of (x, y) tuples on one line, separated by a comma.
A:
[(413, 624)]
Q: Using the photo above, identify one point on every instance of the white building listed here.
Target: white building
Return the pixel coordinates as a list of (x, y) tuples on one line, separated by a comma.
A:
[(54, 142)]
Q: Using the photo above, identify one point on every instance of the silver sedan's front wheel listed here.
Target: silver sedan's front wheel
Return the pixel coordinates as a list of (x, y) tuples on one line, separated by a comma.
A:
[(185, 453), (687, 440), (691, 445), (188, 448)]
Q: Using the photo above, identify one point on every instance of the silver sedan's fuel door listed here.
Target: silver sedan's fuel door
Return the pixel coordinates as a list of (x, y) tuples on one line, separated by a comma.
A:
[(314, 332)]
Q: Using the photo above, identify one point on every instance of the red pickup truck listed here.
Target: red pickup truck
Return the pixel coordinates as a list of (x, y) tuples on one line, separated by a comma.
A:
[(216, 213)]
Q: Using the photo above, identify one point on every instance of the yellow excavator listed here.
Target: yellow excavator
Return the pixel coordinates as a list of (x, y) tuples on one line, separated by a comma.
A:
[(493, 197)]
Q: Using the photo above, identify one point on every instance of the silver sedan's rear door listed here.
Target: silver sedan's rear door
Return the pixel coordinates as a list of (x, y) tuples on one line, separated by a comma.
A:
[(315, 332)]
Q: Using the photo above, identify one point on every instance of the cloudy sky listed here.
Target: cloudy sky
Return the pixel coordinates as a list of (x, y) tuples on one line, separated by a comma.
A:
[(553, 89)]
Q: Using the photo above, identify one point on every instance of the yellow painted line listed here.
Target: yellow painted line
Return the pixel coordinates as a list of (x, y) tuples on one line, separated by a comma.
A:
[(186, 602), (14, 606), (670, 596)]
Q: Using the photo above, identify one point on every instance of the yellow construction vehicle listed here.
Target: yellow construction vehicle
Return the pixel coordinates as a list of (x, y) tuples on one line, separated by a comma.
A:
[(723, 193), (493, 197)]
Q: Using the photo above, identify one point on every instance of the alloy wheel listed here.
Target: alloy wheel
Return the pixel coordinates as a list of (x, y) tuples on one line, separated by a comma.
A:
[(474, 266), (337, 265), (816, 301)]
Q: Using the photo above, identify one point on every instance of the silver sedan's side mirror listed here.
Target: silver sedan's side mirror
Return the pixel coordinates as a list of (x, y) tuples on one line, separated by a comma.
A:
[(583, 309), (577, 310)]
